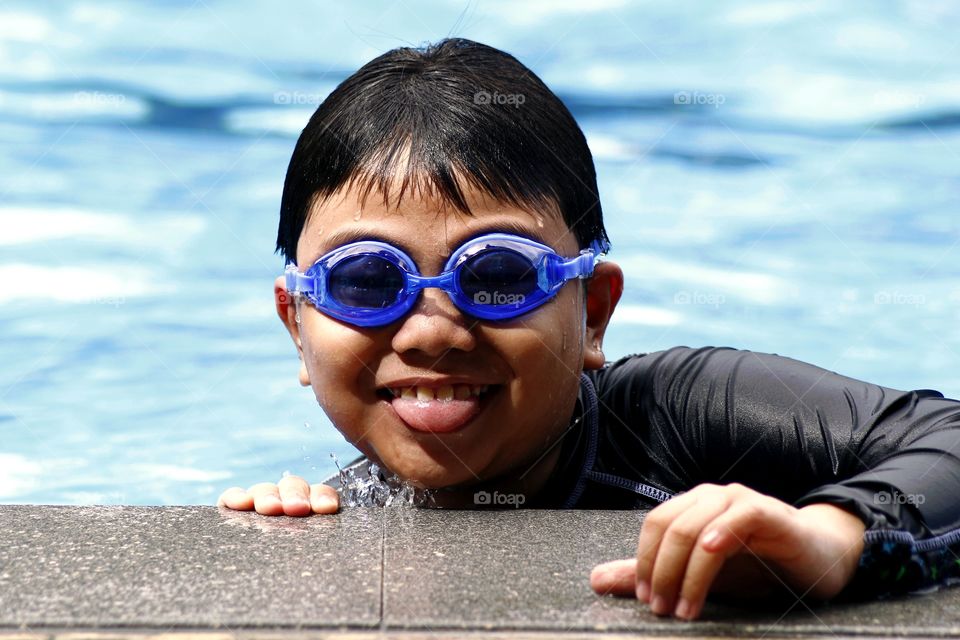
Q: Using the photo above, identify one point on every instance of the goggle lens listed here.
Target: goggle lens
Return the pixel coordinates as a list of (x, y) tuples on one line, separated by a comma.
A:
[(498, 277), (365, 282)]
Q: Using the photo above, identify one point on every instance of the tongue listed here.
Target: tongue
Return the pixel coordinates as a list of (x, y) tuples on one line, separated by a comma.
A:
[(436, 416)]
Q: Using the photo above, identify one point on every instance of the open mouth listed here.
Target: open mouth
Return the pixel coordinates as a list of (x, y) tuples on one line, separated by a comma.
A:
[(437, 409)]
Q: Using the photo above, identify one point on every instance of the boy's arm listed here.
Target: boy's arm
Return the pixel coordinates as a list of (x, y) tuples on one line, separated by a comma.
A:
[(809, 436)]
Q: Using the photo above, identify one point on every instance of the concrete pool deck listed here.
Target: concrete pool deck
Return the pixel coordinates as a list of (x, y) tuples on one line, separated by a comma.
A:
[(168, 573)]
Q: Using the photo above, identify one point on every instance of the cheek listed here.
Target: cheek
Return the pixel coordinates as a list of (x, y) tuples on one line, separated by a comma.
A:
[(335, 356), (546, 355), (559, 332)]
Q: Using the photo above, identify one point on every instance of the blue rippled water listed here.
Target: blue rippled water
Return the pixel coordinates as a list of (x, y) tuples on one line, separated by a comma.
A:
[(776, 176)]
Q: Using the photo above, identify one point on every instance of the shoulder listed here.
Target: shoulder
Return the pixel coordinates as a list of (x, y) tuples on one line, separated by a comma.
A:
[(655, 369)]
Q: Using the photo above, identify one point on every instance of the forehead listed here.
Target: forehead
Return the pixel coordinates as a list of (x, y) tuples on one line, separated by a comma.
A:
[(423, 226)]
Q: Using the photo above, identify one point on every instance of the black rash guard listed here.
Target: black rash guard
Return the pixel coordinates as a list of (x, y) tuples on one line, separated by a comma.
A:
[(651, 426)]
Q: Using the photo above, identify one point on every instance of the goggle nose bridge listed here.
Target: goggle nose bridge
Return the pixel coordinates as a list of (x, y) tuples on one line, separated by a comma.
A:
[(443, 281)]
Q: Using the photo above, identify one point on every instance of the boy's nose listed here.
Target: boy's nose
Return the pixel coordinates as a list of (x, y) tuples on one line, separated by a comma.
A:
[(434, 326)]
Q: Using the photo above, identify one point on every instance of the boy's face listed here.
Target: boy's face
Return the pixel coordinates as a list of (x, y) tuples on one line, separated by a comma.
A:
[(530, 364)]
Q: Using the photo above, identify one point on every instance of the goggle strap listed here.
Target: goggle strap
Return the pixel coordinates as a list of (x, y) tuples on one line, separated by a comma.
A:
[(552, 273), (600, 246), (299, 283)]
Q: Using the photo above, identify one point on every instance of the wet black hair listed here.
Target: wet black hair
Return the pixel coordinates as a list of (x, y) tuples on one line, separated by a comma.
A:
[(456, 110)]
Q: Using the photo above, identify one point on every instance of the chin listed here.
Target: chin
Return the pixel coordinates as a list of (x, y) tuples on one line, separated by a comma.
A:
[(434, 476)]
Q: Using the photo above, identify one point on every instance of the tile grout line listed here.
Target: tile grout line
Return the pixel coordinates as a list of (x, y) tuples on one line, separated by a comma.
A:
[(383, 564)]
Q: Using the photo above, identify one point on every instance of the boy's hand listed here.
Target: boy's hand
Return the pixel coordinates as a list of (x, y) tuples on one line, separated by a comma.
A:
[(762, 546), (292, 496)]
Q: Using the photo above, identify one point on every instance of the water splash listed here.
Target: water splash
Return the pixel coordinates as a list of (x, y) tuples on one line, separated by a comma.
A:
[(368, 485)]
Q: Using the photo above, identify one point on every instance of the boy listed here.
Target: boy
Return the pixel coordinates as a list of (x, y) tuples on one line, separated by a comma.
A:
[(441, 215)]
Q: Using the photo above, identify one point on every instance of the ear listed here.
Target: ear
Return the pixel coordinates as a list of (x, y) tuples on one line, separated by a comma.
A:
[(287, 310), (603, 292)]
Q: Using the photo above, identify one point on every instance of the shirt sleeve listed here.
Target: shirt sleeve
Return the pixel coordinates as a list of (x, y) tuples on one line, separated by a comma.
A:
[(808, 435)]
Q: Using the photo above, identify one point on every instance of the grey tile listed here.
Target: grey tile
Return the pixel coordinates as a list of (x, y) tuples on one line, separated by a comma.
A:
[(187, 566), (530, 569), (202, 568), (513, 569)]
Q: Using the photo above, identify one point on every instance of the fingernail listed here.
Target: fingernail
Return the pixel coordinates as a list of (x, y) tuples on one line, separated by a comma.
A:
[(643, 590), (326, 502), (659, 605), (683, 609)]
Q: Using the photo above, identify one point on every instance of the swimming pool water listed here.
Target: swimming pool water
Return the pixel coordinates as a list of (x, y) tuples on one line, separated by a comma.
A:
[(781, 177)]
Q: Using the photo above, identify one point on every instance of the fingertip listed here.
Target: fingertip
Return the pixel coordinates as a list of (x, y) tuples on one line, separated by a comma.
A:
[(235, 498), (298, 508), (617, 577), (324, 499), (600, 579), (717, 542), (711, 540), (597, 585), (268, 505)]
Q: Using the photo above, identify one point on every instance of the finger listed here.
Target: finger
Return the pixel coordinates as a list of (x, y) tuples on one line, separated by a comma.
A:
[(618, 578), (704, 564), (324, 499), (654, 525), (235, 498), (295, 496), (677, 544), (734, 531), (266, 499)]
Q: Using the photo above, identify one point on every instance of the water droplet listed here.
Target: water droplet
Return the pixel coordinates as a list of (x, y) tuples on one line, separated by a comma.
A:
[(356, 216)]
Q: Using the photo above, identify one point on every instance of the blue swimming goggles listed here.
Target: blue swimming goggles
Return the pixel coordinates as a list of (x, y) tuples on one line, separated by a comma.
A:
[(497, 276)]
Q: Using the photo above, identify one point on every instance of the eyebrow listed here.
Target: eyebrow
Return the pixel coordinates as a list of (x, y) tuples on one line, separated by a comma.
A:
[(346, 236)]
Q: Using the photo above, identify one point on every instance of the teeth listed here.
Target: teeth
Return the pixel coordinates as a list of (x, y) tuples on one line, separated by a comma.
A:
[(444, 393)]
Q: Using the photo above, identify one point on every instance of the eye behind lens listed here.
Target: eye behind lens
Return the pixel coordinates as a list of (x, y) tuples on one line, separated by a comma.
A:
[(500, 277), (365, 282)]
